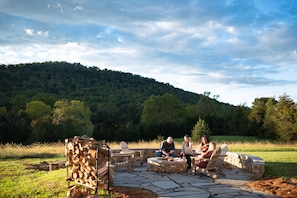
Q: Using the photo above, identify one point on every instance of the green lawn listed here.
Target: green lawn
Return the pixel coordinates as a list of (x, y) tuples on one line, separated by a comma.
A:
[(17, 181), (231, 138), (278, 163)]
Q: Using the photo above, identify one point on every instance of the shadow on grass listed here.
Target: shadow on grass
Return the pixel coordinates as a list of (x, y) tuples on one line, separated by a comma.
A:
[(280, 169)]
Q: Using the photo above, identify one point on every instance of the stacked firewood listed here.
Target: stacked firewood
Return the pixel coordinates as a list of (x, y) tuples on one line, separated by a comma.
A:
[(88, 167)]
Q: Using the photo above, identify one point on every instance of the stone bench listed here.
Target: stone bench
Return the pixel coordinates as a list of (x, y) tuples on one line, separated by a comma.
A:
[(253, 164)]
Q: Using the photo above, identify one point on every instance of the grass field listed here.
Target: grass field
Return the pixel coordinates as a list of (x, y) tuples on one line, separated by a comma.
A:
[(18, 181)]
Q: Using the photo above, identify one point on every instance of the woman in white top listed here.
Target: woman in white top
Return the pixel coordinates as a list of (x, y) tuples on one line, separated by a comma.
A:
[(186, 150)]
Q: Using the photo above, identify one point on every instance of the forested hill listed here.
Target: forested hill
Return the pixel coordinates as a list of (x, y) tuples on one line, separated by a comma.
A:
[(51, 101), (89, 84)]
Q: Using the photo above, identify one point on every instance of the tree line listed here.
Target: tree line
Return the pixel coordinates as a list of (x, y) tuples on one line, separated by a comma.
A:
[(51, 101)]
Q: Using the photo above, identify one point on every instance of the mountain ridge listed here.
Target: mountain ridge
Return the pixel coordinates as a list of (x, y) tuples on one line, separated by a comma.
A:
[(73, 80)]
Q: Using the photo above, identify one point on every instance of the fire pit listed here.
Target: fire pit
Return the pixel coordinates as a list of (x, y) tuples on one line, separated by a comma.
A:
[(167, 165)]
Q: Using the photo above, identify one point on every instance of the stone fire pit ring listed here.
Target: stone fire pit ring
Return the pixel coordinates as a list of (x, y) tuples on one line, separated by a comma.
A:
[(167, 165)]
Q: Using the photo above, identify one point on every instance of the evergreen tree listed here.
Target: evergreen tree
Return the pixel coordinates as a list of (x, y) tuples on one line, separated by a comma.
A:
[(201, 128)]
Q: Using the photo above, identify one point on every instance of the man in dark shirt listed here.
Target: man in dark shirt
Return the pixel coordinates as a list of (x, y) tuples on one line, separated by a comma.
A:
[(168, 148)]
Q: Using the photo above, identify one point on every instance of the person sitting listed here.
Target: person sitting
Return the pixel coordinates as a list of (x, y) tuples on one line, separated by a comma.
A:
[(203, 163), (167, 148), (186, 151), (203, 146)]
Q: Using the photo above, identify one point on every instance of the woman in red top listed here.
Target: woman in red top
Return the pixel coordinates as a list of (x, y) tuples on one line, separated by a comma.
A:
[(203, 163), (203, 146)]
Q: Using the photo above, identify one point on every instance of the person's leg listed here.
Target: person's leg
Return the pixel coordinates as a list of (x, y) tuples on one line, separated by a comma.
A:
[(158, 154), (174, 154), (188, 157)]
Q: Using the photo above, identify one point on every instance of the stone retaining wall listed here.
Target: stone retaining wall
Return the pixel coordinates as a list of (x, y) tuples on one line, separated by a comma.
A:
[(253, 164)]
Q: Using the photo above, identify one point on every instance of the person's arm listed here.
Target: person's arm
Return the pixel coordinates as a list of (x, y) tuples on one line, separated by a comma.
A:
[(162, 146), (183, 150), (207, 154), (204, 148), (190, 148), (163, 149), (198, 149), (172, 148)]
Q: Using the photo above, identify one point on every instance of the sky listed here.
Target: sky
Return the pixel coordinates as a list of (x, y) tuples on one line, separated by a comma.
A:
[(237, 50)]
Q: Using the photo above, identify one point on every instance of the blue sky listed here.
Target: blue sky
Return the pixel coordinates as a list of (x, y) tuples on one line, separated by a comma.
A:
[(238, 50)]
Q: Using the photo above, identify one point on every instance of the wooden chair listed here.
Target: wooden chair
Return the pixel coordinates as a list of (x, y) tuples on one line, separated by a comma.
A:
[(224, 149), (210, 169), (137, 155), (121, 160), (223, 154)]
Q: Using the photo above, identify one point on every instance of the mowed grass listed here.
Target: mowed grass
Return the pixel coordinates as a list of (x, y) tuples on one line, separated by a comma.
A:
[(278, 163), (18, 181)]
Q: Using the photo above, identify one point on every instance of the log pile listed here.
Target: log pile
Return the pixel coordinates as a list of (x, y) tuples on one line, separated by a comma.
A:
[(88, 167), (47, 166)]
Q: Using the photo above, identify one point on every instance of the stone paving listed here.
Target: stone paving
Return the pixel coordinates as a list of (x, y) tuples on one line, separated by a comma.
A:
[(185, 185)]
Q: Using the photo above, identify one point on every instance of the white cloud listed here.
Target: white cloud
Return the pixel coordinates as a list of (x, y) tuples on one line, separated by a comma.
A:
[(32, 32), (120, 39), (56, 6), (41, 33), (29, 31), (79, 7)]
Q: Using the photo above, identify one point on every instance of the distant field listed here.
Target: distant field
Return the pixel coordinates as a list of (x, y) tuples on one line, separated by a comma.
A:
[(17, 181), (230, 138), (235, 143), (226, 138)]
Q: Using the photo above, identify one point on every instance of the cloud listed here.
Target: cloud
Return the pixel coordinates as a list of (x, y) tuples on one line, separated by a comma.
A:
[(32, 32), (79, 7), (57, 6), (29, 31), (195, 45)]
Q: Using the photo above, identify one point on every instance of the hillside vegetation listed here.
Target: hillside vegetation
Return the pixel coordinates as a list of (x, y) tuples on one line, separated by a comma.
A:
[(51, 101)]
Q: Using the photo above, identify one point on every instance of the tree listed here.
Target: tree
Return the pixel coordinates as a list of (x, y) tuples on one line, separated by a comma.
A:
[(258, 111), (48, 99), (238, 122), (201, 128), (284, 119), (37, 110), (3, 113), (166, 112), (40, 115), (268, 128), (73, 118), (260, 117)]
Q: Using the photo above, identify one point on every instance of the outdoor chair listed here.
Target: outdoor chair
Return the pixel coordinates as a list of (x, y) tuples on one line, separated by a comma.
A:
[(137, 155), (119, 160), (211, 169), (224, 149), (223, 154)]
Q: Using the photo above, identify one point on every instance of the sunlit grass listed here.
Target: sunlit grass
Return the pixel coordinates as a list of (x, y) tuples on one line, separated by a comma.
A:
[(34, 150), (18, 181), (278, 163), (261, 146)]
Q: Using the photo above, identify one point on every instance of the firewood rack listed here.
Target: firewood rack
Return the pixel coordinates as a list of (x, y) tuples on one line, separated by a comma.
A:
[(92, 155)]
